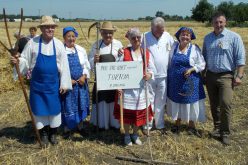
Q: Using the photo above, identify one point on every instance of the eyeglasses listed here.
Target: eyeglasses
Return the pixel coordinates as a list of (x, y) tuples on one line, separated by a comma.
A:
[(136, 37)]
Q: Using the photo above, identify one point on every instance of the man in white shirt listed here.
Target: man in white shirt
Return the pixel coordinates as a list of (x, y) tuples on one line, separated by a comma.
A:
[(159, 43), (45, 58)]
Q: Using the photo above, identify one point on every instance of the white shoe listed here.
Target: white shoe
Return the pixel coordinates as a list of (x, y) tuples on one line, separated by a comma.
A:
[(127, 140), (136, 139)]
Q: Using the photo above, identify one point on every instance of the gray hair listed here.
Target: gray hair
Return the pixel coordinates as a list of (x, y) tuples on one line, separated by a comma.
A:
[(133, 32), (157, 21)]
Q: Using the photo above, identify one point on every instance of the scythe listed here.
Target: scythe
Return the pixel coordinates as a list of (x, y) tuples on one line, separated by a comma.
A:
[(97, 25)]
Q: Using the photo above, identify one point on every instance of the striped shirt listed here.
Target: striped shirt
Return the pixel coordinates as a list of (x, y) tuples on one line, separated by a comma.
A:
[(224, 52)]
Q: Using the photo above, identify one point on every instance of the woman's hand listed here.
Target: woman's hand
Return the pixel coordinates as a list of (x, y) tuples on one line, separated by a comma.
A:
[(120, 52), (96, 58), (81, 80), (188, 72), (148, 76), (119, 91), (73, 82)]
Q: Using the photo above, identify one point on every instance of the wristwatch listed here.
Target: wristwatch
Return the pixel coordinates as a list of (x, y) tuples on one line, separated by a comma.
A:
[(240, 77)]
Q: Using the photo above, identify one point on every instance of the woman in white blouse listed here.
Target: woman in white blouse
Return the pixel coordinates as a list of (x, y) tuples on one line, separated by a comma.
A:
[(75, 103), (185, 88)]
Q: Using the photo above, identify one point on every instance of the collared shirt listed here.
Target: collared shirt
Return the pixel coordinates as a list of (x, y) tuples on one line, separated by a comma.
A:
[(159, 52), (223, 52)]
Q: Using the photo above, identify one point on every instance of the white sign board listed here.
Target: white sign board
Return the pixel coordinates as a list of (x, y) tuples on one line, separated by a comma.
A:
[(119, 75)]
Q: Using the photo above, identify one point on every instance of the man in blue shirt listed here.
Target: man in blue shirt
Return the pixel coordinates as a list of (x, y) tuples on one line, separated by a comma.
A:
[(224, 53)]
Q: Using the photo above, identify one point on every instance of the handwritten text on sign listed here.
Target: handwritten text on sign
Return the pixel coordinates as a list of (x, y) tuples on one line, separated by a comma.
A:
[(119, 75)]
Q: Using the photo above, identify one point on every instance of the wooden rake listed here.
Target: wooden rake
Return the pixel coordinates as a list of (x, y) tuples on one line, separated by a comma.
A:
[(13, 51)]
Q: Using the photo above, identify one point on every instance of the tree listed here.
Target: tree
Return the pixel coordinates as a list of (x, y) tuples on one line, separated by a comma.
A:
[(227, 8), (240, 12), (159, 14), (54, 16), (203, 11)]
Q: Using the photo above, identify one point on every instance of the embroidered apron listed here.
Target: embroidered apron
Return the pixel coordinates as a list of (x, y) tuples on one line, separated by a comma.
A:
[(106, 95), (178, 85), (75, 103), (44, 85)]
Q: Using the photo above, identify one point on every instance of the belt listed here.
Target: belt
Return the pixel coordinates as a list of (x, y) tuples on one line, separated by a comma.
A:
[(221, 73)]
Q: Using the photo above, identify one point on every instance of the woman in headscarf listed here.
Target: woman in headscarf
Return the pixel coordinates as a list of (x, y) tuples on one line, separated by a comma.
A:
[(75, 103), (134, 100), (185, 88)]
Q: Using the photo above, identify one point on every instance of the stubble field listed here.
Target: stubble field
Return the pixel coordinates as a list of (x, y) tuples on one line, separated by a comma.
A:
[(18, 144)]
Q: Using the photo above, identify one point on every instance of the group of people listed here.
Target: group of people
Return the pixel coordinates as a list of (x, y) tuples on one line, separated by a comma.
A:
[(174, 72)]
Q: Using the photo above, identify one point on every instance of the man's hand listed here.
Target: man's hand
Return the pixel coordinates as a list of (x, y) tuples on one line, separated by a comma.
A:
[(62, 91), (237, 81), (14, 59)]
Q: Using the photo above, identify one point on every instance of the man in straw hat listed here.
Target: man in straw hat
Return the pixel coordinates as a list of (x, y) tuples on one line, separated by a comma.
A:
[(109, 48), (159, 43), (46, 58)]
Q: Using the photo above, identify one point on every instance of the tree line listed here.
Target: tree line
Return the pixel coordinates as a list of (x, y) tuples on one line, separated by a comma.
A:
[(202, 12)]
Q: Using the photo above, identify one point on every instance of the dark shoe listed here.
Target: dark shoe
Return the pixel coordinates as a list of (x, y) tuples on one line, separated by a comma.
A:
[(83, 133), (215, 133), (67, 134), (163, 131), (44, 137), (194, 131), (175, 129), (225, 139), (52, 136)]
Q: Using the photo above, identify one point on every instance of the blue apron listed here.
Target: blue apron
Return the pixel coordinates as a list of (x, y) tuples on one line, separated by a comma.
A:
[(75, 103), (178, 85), (44, 85)]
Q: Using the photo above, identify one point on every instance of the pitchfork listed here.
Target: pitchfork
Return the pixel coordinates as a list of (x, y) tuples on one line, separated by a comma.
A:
[(13, 51)]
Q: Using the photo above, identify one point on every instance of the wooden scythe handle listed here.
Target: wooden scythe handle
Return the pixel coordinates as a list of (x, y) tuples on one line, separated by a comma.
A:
[(121, 114)]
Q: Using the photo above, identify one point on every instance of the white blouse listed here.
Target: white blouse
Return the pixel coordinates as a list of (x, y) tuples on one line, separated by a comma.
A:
[(105, 49), (83, 58), (30, 53), (196, 58)]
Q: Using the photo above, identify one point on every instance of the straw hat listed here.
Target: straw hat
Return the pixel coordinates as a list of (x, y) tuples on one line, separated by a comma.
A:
[(108, 26), (46, 20)]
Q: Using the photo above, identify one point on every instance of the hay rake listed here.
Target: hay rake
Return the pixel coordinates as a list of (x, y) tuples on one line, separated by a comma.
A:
[(13, 52)]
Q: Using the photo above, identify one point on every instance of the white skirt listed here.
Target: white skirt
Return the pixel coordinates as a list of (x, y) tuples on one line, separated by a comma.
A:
[(105, 115), (194, 111)]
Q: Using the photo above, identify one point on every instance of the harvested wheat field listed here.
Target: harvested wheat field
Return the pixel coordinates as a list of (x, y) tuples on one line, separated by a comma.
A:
[(17, 139)]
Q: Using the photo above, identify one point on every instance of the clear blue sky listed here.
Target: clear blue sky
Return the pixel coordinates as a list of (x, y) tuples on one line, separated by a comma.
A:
[(103, 9)]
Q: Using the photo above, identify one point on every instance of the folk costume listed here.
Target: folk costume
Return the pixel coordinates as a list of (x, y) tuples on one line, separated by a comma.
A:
[(75, 103), (50, 71), (159, 53), (108, 53), (186, 96), (134, 100)]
